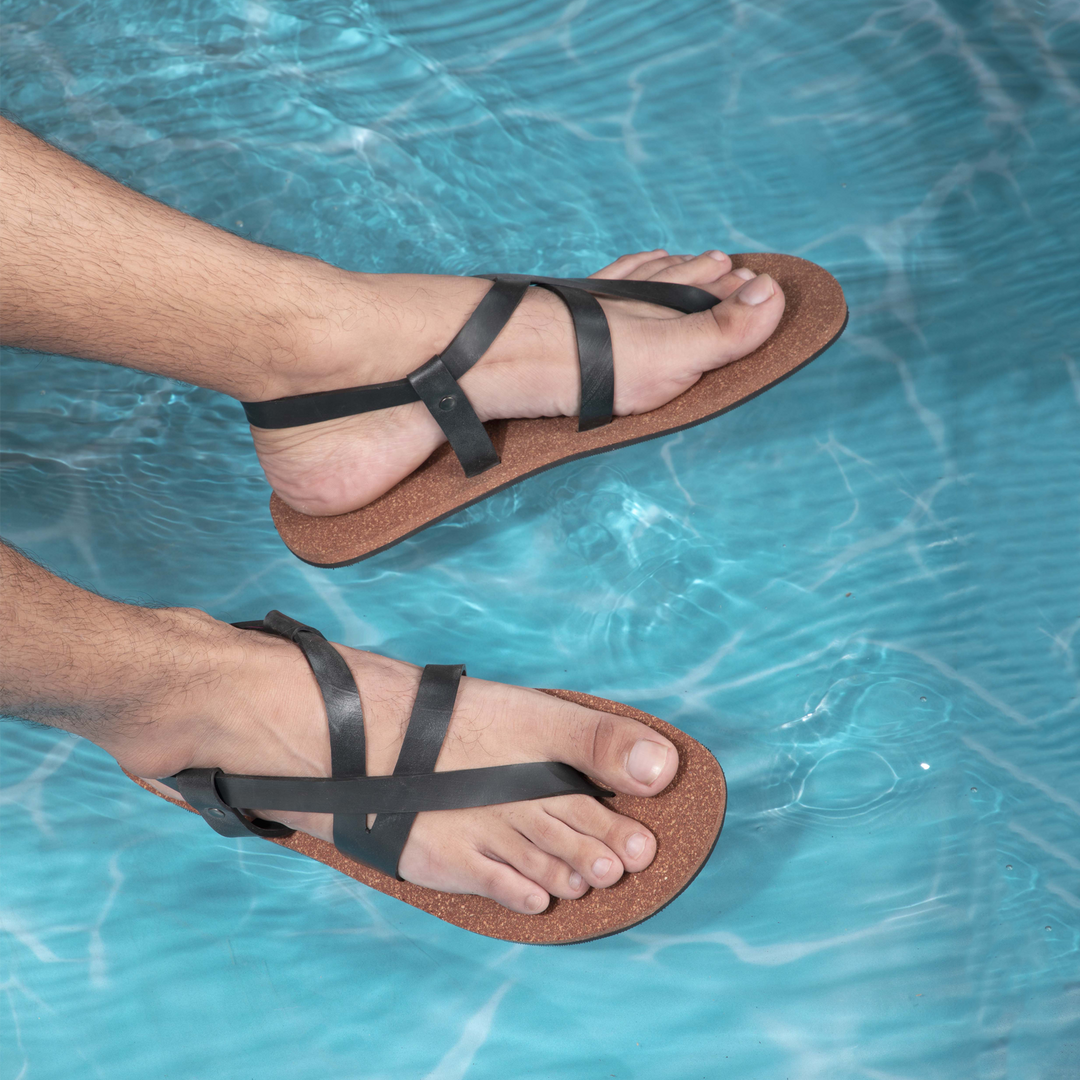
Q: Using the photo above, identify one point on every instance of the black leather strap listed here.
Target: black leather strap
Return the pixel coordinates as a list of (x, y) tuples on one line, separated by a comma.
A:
[(431, 714), (454, 789), (301, 409), (595, 360), (483, 326), (344, 717), (433, 383), (684, 298), (432, 711), (436, 383), (453, 412), (197, 787), (344, 713)]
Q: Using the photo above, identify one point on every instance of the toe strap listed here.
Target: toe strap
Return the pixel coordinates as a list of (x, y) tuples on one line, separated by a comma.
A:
[(357, 796), (685, 298)]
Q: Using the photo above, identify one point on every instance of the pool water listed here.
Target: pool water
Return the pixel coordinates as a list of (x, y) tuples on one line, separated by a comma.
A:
[(860, 591)]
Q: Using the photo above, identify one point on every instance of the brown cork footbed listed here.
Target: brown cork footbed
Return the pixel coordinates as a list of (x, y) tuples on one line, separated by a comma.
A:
[(686, 819), (814, 317)]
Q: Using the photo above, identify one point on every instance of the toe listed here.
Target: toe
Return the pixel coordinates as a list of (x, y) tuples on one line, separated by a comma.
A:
[(701, 270), (625, 265), (470, 851), (594, 862), (744, 320), (614, 750), (730, 283), (727, 284), (542, 867), (632, 843), (502, 883), (656, 269)]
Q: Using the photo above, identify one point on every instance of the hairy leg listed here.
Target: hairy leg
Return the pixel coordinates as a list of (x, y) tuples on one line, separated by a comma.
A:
[(168, 689), (94, 269)]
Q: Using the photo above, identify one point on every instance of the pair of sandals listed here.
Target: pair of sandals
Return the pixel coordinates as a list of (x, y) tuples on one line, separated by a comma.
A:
[(476, 461)]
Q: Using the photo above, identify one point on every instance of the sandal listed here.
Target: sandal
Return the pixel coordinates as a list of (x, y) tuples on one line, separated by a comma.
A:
[(686, 817), (492, 456)]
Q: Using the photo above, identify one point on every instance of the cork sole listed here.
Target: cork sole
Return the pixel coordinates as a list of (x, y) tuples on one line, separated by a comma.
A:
[(686, 819), (814, 317)]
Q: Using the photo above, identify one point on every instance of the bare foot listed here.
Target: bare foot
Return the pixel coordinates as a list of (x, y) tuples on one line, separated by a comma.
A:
[(376, 328), (261, 714)]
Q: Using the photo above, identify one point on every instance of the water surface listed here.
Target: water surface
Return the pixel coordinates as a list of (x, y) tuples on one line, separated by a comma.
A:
[(860, 590)]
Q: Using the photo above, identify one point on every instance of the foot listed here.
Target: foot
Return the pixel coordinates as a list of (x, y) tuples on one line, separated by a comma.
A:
[(377, 328), (261, 714)]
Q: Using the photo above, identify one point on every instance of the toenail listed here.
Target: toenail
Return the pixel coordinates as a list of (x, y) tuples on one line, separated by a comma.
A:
[(719, 256), (536, 902), (636, 845), (745, 273), (757, 291), (576, 881), (601, 867), (646, 761)]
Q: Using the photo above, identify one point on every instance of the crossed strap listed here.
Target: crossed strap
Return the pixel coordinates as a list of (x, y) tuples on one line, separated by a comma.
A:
[(436, 382), (350, 794)]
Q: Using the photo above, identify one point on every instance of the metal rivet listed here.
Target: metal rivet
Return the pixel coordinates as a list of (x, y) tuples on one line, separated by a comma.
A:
[(215, 811), (447, 403)]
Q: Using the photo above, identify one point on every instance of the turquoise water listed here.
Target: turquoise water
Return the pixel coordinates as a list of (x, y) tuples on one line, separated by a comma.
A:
[(860, 590)]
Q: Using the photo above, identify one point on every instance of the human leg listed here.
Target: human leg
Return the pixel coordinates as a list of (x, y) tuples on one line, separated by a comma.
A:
[(164, 690), (95, 269)]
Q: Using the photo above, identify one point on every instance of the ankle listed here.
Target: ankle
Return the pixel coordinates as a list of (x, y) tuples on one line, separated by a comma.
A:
[(341, 328), (306, 305), (249, 704), (165, 700), (353, 329)]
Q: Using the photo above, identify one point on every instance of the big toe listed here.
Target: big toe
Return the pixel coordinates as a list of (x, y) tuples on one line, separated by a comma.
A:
[(743, 321), (621, 753)]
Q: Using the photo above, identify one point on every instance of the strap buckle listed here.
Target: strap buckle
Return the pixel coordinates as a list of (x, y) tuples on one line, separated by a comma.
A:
[(199, 790)]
